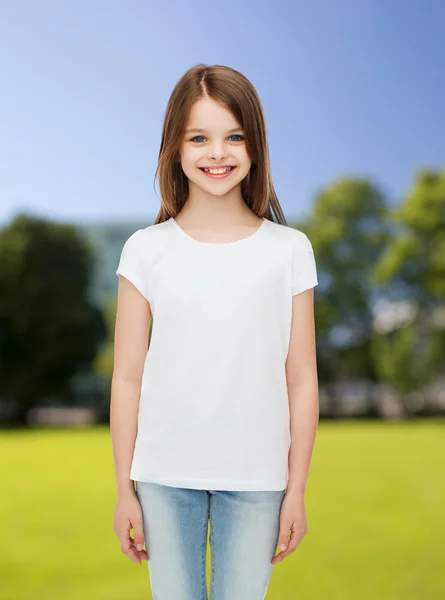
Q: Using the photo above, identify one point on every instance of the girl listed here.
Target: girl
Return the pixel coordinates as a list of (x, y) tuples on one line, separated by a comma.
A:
[(216, 421)]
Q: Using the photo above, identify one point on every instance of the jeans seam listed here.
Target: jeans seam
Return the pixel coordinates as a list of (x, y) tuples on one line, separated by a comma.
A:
[(213, 557), (204, 547)]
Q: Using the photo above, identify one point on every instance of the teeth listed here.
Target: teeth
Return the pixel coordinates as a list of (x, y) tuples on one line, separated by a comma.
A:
[(217, 171)]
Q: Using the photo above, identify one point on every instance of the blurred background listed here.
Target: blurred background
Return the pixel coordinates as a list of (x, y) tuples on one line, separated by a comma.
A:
[(354, 97)]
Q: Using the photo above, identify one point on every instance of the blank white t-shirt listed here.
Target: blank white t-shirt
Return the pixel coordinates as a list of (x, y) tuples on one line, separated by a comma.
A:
[(214, 408)]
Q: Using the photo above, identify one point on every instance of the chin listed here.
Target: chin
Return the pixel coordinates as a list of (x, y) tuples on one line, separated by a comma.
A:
[(217, 192)]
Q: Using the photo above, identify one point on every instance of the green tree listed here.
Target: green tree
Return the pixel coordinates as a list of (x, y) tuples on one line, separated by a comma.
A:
[(348, 230), (48, 326), (412, 353), (103, 363)]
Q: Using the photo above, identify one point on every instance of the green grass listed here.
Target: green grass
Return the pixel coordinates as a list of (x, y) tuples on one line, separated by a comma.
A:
[(375, 503)]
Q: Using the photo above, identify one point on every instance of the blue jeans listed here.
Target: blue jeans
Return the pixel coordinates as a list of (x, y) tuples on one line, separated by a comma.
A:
[(244, 530)]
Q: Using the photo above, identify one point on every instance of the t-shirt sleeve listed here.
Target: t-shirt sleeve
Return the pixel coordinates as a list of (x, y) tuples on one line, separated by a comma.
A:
[(130, 263), (304, 270)]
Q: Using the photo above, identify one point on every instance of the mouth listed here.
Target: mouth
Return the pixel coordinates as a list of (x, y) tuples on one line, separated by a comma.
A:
[(218, 173)]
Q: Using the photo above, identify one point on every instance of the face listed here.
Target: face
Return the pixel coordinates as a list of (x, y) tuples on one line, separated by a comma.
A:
[(218, 142)]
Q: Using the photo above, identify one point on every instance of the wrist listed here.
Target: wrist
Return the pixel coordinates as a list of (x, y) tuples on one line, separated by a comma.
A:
[(295, 491), (126, 488)]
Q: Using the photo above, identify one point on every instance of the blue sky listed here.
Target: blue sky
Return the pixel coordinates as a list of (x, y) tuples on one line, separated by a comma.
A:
[(349, 87)]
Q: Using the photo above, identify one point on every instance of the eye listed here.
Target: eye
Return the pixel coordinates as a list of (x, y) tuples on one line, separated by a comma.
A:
[(237, 135), (193, 139)]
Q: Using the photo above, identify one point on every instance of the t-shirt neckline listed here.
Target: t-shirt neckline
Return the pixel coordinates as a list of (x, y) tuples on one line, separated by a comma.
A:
[(218, 244)]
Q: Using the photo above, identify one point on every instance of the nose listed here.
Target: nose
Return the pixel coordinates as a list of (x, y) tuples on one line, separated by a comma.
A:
[(217, 150)]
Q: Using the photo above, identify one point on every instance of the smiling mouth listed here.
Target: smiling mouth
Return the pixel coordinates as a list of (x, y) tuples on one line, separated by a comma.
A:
[(207, 170), (217, 173)]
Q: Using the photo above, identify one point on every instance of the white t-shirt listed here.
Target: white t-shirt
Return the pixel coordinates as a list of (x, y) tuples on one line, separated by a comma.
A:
[(214, 408)]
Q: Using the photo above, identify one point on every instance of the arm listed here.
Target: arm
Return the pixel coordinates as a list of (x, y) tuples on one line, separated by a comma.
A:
[(130, 348), (302, 383)]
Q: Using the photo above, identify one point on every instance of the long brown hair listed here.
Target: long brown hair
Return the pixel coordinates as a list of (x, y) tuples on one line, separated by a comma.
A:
[(236, 93)]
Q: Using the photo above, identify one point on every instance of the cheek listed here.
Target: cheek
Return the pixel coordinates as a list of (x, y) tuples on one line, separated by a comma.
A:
[(242, 156), (191, 157)]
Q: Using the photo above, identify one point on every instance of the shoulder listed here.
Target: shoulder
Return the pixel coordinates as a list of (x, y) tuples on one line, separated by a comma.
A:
[(147, 239), (289, 235)]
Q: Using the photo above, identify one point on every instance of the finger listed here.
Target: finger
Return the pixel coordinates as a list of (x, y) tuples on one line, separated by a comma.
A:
[(294, 540), (280, 556), (282, 542), (129, 549), (283, 538), (138, 542), (291, 546), (138, 535), (132, 554), (143, 554)]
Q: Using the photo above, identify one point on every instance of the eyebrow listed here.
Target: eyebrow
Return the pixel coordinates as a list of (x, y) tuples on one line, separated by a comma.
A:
[(204, 131)]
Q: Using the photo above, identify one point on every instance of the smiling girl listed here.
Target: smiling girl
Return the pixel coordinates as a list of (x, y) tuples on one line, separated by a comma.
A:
[(215, 416)]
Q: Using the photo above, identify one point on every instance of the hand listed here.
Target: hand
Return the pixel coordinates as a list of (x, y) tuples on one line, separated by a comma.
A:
[(128, 515), (293, 519)]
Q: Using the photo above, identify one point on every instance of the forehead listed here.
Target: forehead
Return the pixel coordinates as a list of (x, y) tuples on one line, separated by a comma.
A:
[(211, 116)]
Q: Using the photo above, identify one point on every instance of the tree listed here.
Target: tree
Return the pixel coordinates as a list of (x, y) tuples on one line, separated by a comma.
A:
[(347, 229), (48, 326), (412, 353)]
